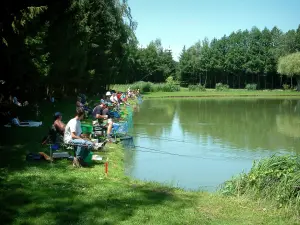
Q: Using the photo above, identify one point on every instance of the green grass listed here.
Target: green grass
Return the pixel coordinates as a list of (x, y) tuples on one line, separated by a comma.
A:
[(45, 193), (275, 178), (56, 193), (184, 92)]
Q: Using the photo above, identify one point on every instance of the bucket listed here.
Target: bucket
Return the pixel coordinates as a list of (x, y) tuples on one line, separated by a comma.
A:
[(88, 159)]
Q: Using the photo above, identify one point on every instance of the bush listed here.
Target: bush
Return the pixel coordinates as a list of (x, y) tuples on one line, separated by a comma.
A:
[(142, 85), (222, 87), (251, 87), (198, 87), (286, 87), (170, 86), (164, 87), (276, 178)]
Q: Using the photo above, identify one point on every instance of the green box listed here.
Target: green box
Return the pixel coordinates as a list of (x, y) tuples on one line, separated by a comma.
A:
[(86, 128)]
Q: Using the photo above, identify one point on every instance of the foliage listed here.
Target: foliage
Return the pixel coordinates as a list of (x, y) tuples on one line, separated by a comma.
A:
[(286, 87), (251, 87), (99, 48), (198, 87), (275, 178), (221, 87), (148, 87), (164, 87), (290, 65), (142, 85), (248, 56)]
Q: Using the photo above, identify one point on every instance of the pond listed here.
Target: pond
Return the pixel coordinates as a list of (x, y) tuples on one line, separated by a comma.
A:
[(200, 143)]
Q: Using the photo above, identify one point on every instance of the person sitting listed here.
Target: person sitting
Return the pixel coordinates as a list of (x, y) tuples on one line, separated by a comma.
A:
[(108, 95), (74, 136), (58, 124), (83, 99), (101, 113), (114, 100), (79, 105), (16, 102), (123, 98), (16, 122)]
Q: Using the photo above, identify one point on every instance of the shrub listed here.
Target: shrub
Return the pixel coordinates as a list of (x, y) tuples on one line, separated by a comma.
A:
[(164, 87), (286, 87), (251, 87), (276, 178), (170, 86), (198, 87), (222, 87), (142, 85)]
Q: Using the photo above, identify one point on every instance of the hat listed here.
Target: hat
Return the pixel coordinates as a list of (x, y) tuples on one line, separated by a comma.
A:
[(108, 93), (57, 114)]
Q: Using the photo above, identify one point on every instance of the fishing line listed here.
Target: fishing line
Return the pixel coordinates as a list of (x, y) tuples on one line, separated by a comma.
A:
[(161, 138), (143, 135), (156, 151)]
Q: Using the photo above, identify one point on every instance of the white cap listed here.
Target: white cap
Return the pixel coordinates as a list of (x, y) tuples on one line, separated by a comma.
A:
[(108, 93)]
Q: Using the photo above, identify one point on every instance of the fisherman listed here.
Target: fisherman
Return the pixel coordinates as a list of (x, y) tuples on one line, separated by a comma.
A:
[(58, 124), (101, 112), (73, 135)]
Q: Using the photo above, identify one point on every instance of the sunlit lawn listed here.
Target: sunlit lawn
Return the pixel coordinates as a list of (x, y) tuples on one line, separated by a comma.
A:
[(184, 92)]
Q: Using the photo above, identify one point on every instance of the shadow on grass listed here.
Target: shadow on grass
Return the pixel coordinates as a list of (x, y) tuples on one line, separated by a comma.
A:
[(39, 197), (43, 193)]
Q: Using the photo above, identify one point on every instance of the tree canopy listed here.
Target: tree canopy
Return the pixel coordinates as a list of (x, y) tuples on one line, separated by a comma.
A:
[(290, 65), (72, 46)]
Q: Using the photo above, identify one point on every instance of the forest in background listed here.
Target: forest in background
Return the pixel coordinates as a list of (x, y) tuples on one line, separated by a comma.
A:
[(62, 47)]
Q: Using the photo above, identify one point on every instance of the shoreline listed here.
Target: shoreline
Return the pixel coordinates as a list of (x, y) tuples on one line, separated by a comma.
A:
[(223, 94)]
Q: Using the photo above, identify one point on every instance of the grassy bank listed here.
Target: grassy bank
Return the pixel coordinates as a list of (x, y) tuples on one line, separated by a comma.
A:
[(274, 179), (44, 193), (228, 93)]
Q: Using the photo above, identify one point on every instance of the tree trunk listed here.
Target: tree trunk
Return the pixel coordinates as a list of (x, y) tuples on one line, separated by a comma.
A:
[(292, 83), (227, 79), (298, 83), (265, 82), (272, 82)]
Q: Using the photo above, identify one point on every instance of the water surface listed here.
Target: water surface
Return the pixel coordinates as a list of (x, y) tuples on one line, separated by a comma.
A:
[(200, 143)]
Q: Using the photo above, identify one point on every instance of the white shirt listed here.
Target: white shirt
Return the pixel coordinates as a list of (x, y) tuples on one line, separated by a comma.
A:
[(73, 125), (114, 99)]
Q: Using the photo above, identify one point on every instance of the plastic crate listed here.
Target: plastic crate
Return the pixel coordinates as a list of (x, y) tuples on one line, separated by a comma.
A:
[(86, 128)]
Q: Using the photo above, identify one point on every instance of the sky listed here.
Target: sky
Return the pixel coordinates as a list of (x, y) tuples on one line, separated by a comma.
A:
[(184, 22)]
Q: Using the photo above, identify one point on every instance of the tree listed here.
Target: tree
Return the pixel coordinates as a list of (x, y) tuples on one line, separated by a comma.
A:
[(290, 65)]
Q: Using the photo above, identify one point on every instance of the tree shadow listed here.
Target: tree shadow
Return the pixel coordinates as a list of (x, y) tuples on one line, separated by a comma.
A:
[(41, 198)]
